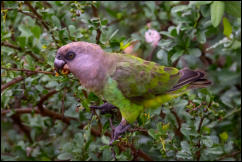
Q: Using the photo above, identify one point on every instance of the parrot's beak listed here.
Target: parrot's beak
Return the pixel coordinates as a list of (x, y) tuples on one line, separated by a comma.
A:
[(59, 64)]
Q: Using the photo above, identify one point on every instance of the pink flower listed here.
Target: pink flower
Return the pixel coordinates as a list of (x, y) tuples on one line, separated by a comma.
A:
[(152, 36)]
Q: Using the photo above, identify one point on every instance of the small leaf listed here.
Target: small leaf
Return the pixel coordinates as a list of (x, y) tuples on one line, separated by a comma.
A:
[(113, 34), (152, 133), (201, 37), (179, 8), (228, 147), (36, 31), (214, 150), (208, 141), (105, 140), (233, 8), (224, 136), (176, 55), (227, 27), (217, 12)]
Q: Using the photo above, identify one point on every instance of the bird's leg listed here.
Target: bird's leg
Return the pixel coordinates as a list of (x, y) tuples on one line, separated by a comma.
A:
[(105, 108), (120, 129)]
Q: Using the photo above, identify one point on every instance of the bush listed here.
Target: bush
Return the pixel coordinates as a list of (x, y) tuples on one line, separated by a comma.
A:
[(45, 117)]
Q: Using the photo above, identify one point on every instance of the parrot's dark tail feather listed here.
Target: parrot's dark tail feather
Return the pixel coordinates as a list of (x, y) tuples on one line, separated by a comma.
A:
[(195, 79)]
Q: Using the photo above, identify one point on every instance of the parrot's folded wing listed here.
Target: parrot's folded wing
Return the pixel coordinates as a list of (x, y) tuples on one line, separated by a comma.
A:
[(140, 78), (195, 79)]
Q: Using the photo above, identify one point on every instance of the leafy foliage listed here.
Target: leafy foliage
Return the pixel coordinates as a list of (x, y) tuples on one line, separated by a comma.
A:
[(45, 117)]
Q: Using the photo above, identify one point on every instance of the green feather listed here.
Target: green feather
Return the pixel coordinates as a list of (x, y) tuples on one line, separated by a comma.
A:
[(129, 110)]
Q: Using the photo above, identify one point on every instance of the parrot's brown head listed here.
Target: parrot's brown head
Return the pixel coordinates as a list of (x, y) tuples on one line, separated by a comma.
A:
[(77, 57)]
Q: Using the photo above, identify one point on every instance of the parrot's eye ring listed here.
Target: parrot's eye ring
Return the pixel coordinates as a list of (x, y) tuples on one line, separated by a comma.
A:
[(70, 55)]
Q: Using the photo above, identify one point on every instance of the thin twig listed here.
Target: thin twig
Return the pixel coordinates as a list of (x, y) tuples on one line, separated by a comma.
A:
[(45, 97), (99, 32), (198, 153), (179, 122), (26, 70), (200, 124), (11, 46), (233, 154), (63, 103), (149, 57)]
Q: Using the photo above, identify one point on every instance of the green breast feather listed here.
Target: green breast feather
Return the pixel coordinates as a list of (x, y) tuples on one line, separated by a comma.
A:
[(129, 110)]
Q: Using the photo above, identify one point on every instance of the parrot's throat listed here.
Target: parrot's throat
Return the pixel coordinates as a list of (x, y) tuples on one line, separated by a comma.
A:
[(91, 73)]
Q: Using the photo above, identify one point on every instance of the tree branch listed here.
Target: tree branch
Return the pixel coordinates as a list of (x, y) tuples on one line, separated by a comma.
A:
[(11, 46), (15, 80), (20, 49), (41, 20)]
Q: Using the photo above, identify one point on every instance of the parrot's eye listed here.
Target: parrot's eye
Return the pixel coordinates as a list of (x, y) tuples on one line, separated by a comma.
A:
[(70, 55)]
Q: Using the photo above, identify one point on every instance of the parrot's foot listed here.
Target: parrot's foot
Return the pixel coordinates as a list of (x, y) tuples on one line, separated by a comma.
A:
[(105, 108), (120, 129)]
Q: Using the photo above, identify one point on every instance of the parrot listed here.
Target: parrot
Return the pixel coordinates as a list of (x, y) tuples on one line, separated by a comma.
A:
[(126, 82)]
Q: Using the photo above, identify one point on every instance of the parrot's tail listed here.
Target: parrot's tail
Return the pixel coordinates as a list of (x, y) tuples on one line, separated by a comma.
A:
[(193, 79)]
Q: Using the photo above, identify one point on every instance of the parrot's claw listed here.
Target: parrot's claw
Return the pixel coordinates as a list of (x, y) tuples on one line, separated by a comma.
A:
[(120, 129), (105, 108)]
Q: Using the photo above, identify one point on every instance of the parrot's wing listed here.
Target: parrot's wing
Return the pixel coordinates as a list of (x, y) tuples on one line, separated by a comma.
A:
[(139, 78)]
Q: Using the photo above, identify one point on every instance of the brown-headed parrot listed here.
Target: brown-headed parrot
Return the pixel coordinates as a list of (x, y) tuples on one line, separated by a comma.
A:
[(125, 81)]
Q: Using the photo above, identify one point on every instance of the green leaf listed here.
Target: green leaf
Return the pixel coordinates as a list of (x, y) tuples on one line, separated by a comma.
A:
[(228, 147), (214, 150), (105, 140), (199, 3), (207, 141), (185, 153), (72, 29), (227, 27), (162, 55), (36, 30), (176, 55), (233, 8), (152, 133), (56, 21), (217, 12), (201, 37), (113, 34), (64, 156), (24, 30), (195, 52), (21, 41)]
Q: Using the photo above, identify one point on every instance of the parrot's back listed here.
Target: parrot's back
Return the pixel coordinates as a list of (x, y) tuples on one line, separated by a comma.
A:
[(144, 79)]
